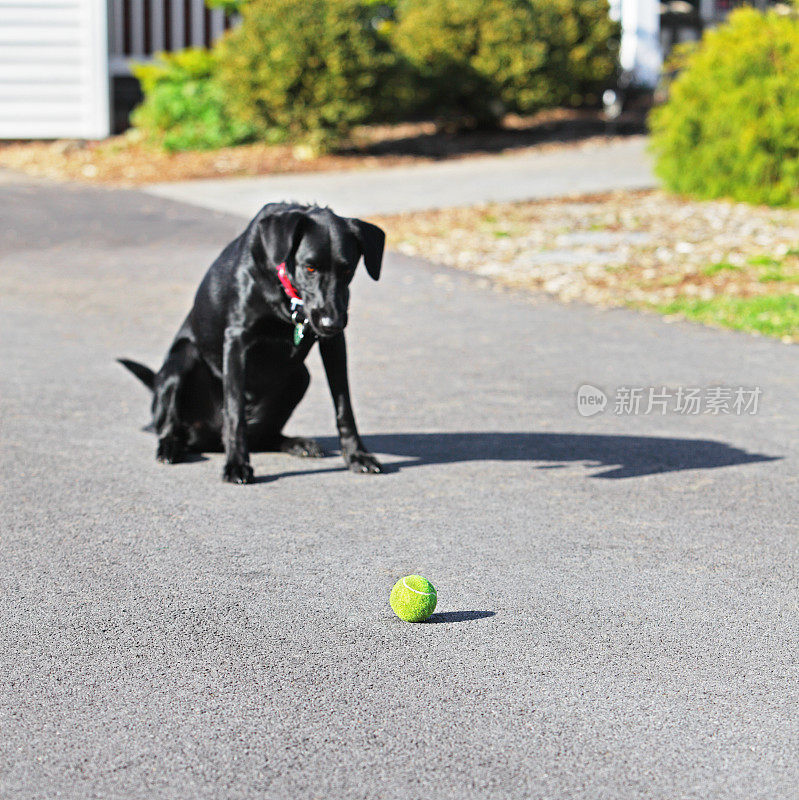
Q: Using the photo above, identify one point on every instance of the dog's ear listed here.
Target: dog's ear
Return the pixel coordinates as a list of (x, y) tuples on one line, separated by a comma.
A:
[(280, 233), (372, 241)]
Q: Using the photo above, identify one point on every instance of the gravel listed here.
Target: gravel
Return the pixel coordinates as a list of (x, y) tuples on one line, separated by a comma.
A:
[(614, 249)]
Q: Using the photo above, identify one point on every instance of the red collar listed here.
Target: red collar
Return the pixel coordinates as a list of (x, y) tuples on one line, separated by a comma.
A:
[(283, 276)]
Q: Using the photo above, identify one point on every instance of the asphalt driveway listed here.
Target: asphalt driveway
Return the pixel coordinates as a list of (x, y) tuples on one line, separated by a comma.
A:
[(617, 593)]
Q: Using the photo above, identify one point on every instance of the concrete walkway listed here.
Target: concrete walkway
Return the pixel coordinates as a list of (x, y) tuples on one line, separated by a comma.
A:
[(592, 167)]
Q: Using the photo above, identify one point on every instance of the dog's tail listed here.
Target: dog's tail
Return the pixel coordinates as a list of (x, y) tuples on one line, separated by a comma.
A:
[(144, 374)]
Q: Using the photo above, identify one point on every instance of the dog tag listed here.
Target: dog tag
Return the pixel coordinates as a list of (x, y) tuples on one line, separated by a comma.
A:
[(299, 332)]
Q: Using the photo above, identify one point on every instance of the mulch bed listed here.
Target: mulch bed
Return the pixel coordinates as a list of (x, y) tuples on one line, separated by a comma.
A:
[(126, 160)]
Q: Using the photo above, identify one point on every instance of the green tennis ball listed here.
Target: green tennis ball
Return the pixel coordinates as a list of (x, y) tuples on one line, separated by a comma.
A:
[(413, 598)]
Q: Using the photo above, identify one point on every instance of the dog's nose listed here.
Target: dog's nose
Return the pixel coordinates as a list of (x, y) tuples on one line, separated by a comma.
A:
[(328, 326)]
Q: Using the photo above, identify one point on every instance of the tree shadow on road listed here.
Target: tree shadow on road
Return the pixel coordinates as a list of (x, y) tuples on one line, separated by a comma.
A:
[(516, 133), (623, 456)]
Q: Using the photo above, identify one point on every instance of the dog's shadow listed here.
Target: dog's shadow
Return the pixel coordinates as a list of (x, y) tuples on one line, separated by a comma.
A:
[(621, 456)]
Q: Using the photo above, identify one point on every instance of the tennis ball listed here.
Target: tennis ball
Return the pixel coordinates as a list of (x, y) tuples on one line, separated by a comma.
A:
[(413, 598)]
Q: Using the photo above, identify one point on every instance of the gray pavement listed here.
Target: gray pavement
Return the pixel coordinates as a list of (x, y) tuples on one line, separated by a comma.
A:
[(617, 595), (593, 166)]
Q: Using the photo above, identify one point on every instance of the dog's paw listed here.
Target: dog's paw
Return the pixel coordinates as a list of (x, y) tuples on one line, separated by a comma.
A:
[(298, 446), (235, 472), (364, 463), (170, 450)]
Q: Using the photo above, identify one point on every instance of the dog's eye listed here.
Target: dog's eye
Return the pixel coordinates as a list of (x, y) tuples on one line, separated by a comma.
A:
[(311, 269)]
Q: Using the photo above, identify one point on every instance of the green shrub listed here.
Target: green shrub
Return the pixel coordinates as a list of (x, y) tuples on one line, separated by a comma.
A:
[(730, 127), (308, 72), (305, 71), (228, 6), (584, 51), (184, 106), (477, 59)]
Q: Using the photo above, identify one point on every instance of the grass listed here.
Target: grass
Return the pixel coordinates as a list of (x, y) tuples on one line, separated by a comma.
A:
[(772, 315), (764, 261), (775, 314), (776, 276), (721, 266)]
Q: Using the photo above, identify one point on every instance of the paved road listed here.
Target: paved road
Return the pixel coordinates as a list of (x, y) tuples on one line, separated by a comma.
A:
[(591, 167), (618, 595)]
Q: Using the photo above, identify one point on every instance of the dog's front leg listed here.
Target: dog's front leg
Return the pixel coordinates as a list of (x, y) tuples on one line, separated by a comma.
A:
[(234, 419), (334, 357)]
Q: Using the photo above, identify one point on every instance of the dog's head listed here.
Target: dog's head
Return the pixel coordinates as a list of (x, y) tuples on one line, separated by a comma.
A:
[(321, 251)]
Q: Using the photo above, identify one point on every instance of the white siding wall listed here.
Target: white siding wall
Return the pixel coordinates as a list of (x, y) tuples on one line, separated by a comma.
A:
[(53, 69)]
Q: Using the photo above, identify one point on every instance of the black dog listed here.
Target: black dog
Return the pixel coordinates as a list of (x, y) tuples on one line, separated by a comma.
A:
[(235, 371)]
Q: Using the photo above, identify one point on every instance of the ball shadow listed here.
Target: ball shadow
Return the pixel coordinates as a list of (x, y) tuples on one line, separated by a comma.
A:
[(458, 616)]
